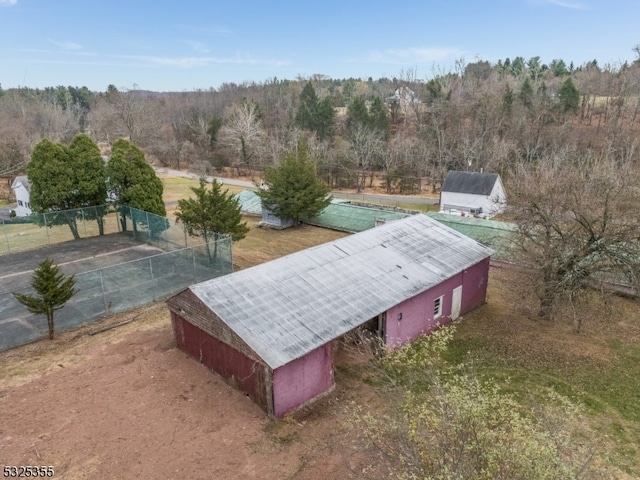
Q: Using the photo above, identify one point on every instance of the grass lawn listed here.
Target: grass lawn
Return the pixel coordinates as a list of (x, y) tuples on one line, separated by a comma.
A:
[(176, 188), (597, 369)]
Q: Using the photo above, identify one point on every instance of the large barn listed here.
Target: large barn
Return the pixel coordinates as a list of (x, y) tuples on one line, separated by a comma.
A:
[(268, 329)]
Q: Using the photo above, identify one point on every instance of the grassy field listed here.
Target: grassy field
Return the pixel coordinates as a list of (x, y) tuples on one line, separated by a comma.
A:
[(598, 369), (176, 188)]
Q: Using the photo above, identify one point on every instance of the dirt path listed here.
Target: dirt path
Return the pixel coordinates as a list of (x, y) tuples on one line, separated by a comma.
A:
[(125, 403)]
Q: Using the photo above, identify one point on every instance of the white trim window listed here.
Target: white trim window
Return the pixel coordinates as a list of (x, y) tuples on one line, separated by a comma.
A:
[(437, 307)]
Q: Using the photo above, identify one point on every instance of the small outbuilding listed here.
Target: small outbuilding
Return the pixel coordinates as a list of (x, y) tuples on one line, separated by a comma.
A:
[(21, 187), (269, 329), (473, 193), (271, 220)]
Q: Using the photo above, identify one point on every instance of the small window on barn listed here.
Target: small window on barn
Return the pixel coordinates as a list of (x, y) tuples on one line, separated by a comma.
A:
[(437, 307), (20, 202)]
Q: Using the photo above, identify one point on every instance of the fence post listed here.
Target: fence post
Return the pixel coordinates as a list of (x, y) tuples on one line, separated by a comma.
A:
[(153, 286), (193, 256), (184, 229), (4, 229), (107, 308), (84, 222), (46, 228), (148, 226)]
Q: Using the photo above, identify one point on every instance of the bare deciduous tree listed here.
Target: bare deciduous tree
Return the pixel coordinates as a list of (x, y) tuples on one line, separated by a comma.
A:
[(576, 225), (244, 134)]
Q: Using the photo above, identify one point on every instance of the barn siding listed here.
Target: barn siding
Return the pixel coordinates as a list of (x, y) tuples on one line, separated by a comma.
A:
[(302, 380), (236, 368), (474, 286), (188, 306), (418, 312)]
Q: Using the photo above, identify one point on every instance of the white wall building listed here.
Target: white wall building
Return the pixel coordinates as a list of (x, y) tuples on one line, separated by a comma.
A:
[(473, 193), (21, 187)]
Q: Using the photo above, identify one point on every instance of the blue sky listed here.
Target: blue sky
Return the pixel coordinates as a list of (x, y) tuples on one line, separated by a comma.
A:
[(198, 44)]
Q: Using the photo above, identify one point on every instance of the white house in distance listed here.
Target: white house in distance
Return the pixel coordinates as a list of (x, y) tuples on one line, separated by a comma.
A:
[(21, 187), (473, 193)]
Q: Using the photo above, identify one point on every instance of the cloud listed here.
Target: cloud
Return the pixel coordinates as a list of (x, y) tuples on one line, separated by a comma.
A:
[(208, 31), (563, 4), (190, 62), (197, 46), (66, 45), (412, 55), (8, 3)]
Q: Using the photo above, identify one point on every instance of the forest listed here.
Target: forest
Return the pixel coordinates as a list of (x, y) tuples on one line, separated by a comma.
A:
[(404, 132)]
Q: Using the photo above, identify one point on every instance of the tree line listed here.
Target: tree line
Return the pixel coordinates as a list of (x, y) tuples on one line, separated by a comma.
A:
[(407, 130), (564, 139)]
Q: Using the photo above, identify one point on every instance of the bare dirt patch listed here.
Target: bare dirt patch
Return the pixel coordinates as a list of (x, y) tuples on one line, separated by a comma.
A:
[(125, 403)]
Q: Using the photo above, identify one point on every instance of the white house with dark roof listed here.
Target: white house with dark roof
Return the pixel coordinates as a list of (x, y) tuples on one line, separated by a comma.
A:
[(473, 193), (269, 329), (21, 187)]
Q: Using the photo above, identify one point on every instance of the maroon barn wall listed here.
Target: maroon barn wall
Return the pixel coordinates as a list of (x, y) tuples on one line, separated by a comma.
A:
[(246, 374), (415, 316), (302, 380), (474, 286)]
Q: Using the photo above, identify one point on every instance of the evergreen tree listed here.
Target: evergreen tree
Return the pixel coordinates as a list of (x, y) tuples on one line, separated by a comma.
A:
[(379, 116), (89, 173), (211, 213), (54, 291), (53, 188), (526, 94), (293, 188), (314, 114), (51, 177), (507, 101), (357, 113), (63, 179), (133, 182), (569, 96)]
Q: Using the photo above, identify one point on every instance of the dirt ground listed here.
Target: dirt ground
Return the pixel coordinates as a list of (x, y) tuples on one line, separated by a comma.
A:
[(125, 403), (117, 400)]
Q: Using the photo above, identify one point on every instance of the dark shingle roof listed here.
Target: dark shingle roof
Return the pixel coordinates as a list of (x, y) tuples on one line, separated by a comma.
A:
[(470, 182)]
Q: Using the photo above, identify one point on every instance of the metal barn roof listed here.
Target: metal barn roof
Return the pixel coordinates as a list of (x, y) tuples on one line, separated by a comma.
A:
[(352, 218), (469, 182), (285, 308), (491, 233)]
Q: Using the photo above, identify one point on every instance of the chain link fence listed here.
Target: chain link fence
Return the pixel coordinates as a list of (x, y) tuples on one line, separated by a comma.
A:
[(21, 234), (112, 289)]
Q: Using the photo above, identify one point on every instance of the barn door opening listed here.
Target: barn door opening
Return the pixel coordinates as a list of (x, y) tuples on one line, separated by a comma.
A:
[(382, 327), (456, 302)]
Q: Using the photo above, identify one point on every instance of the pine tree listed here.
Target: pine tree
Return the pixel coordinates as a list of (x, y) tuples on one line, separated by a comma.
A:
[(54, 291), (212, 212), (133, 182), (90, 177), (293, 188), (314, 114), (569, 96)]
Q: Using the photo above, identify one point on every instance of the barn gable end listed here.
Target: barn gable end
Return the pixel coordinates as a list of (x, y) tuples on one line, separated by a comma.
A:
[(209, 341)]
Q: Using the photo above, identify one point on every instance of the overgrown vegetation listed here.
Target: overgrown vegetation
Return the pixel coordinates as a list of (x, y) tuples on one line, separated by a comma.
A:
[(445, 421)]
